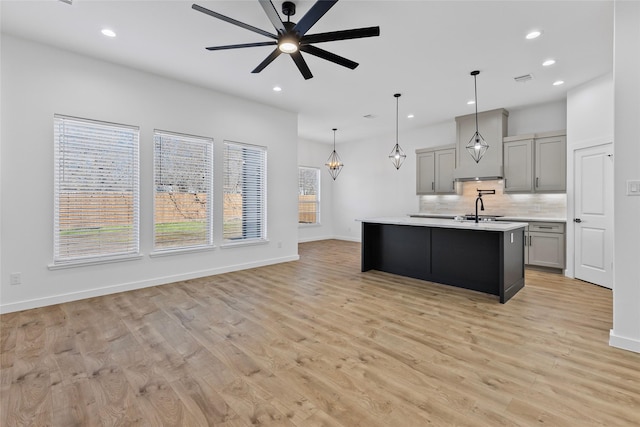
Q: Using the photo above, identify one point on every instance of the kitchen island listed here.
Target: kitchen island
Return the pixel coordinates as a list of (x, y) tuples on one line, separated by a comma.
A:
[(485, 256)]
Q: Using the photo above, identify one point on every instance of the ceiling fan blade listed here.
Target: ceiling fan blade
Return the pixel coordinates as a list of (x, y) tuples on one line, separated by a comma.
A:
[(312, 16), (302, 65), (356, 33), (233, 21), (268, 60), (272, 14), (238, 46), (321, 53)]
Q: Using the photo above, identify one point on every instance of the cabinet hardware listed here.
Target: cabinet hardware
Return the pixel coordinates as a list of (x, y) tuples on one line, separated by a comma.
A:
[(578, 220), (537, 182), (433, 185), (505, 183), (545, 227)]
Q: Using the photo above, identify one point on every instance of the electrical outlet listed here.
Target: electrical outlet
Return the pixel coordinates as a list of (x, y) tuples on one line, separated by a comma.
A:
[(15, 278), (279, 245)]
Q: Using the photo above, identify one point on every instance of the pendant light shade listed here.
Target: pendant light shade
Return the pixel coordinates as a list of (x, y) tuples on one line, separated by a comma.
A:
[(477, 146), (334, 164), (397, 156)]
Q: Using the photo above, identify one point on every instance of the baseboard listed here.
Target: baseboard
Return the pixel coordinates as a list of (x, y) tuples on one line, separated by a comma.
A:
[(624, 343), (316, 239), (107, 290)]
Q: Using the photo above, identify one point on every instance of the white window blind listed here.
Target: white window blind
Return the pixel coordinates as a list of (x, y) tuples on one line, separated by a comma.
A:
[(308, 195), (183, 197), (244, 216), (96, 191)]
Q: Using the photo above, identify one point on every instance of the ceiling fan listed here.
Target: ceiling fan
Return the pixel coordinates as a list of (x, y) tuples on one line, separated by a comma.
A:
[(292, 38)]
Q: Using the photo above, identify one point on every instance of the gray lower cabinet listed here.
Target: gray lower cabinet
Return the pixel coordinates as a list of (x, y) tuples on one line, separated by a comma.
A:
[(535, 163), (545, 244), (434, 170)]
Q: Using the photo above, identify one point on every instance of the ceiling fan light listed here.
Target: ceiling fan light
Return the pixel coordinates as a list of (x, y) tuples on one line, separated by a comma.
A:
[(288, 45)]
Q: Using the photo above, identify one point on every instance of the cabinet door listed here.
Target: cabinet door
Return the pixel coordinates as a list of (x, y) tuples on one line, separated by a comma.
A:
[(518, 166), (445, 163), (551, 164), (425, 173), (546, 249)]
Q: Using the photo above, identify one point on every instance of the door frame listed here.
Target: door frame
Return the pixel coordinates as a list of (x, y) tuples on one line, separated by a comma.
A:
[(570, 232)]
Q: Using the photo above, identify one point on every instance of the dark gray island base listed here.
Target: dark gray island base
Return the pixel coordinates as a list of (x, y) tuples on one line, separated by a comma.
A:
[(481, 257)]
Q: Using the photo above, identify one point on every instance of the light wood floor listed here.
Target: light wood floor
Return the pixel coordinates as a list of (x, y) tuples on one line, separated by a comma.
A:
[(318, 343)]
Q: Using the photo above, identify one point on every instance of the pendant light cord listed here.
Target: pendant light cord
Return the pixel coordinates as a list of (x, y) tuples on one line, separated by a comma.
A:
[(397, 102), (475, 93)]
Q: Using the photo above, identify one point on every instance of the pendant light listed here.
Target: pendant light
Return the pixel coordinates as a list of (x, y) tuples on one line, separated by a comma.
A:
[(477, 146), (333, 162), (397, 156)]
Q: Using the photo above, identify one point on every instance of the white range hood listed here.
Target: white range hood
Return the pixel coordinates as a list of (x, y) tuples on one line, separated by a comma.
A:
[(492, 125)]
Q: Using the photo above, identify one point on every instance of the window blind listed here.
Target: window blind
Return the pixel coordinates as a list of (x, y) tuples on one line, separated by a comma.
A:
[(308, 195), (96, 190), (183, 196), (244, 213)]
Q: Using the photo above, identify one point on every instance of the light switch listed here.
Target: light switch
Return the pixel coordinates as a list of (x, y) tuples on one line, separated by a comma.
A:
[(633, 188)]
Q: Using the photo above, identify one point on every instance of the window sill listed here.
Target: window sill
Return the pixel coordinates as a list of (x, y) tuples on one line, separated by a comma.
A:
[(304, 225), (249, 242), (170, 252), (94, 261)]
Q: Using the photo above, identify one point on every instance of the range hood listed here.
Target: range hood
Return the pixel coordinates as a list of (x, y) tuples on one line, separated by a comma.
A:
[(492, 125)]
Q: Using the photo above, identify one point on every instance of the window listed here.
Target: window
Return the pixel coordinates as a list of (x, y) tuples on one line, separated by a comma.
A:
[(244, 216), (183, 171), (308, 195), (96, 194)]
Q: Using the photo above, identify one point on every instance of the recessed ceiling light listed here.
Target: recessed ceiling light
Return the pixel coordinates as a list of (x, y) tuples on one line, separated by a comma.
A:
[(410, 116), (558, 83), (277, 89), (471, 102), (107, 32), (548, 62), (533, 35)]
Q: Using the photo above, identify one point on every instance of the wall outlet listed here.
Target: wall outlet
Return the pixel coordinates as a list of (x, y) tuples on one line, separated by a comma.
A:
[(15, 278), (279, 245)]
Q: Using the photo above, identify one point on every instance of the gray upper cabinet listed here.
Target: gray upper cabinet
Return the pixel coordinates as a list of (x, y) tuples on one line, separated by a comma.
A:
[(551, 164), (434, 170), (445, 165), (518, 166), (425, 172), (535, 163)]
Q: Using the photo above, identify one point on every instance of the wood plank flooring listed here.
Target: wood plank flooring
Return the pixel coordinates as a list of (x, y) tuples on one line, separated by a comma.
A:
[(318, 343)]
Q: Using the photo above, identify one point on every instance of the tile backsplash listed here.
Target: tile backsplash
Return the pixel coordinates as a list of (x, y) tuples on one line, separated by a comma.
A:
[(523, 205)]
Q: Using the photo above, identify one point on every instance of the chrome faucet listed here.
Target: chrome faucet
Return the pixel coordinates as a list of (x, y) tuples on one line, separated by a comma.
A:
[(479, 199)]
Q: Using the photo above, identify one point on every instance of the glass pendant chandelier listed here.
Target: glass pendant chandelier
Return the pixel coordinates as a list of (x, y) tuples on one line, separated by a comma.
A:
[(477, 146), (397, 156), (333, 162)]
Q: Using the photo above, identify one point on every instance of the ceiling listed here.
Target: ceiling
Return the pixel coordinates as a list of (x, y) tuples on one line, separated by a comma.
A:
[(425, 51)]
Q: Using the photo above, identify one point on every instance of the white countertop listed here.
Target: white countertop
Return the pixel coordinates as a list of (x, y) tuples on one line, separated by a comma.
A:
[(447, 223), (502, 218)]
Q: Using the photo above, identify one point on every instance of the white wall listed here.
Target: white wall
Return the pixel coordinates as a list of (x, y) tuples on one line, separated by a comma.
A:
[(38, 82), (372, 187), (589, 123), (538, 118), (626, 293), (315, 154)]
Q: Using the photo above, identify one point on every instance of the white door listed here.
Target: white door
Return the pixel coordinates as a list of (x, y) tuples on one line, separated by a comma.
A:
[(593, 220)]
